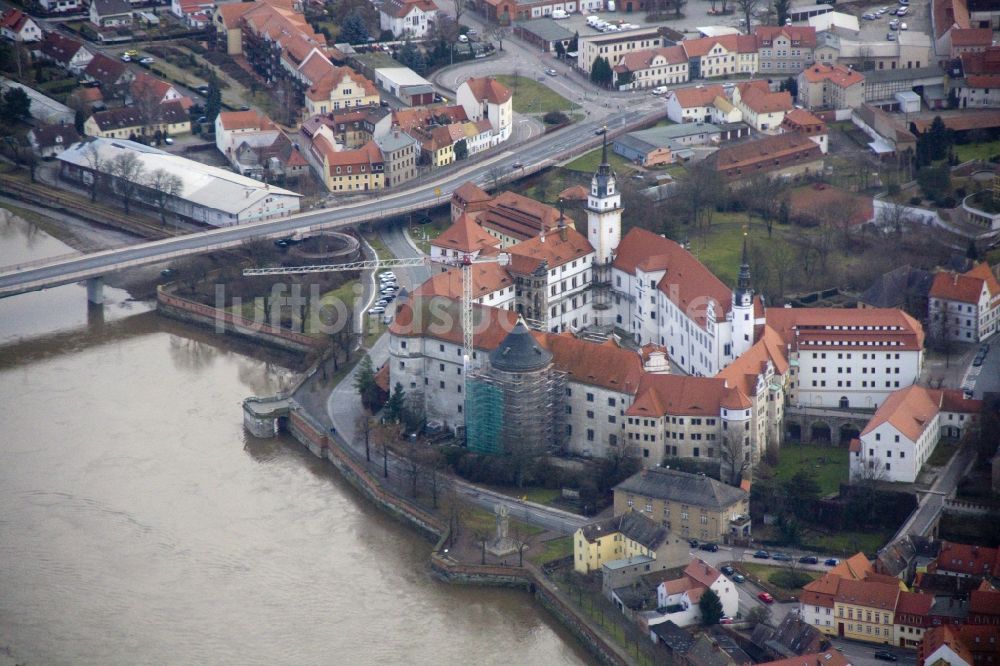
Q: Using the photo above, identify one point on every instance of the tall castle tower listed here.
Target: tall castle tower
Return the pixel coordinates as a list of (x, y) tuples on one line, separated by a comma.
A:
[(743, 318), (604, 210)]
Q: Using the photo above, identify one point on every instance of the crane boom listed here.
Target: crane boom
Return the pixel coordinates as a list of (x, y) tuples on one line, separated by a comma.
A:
[(368, 265)]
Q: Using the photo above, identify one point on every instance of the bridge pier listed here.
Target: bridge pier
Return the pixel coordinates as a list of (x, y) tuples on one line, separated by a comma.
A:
[(95, 290)]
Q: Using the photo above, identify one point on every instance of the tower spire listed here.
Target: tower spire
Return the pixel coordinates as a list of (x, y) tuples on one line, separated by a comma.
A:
[(743, 281), (604, 147)]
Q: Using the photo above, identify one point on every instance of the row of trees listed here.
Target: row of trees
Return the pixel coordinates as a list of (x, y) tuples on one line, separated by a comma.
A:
[(125, 175)]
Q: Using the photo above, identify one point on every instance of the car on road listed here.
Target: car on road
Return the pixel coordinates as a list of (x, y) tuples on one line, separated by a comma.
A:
[(885, 655), (781, 557), (377, 310), (551, 72), (727, 570), (978, 361), (738, 578), (126, 57), (808, 559), (903, 26), (762, 555), (832, 562), (202, 90), (147, 61), (890, 36), (869, 17), (693, 543), (516, 165), (660, 90), (600, 130), (726, 620), (894, 24), (169, 140), (710, 547), (766, 597)]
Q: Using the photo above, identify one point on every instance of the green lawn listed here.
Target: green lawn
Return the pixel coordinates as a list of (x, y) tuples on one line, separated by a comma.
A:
[(530, 96), (536, 495), (827, 464), (588, 162), (942, 454), (770, 573), (977, 151), (721, 245), (846, 544), (479, 520), (553, 549), (380, 249)]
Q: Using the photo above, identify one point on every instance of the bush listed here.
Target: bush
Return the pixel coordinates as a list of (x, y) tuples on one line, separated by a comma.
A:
[(893, 189), (555, 118), (915, 201), (790, 579)]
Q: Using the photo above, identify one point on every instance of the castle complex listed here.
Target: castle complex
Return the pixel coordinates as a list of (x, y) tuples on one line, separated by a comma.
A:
[(736, 364)]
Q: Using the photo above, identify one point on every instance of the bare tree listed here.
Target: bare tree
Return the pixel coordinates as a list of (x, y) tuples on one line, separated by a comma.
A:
[(495, 174), (456, 510), (97, 167), (482, 537), (147, 102), (459, 6), (748, 7), (520, 538), (127, 170), (734, 455), (499, 33), (165, 185), (365, 425)]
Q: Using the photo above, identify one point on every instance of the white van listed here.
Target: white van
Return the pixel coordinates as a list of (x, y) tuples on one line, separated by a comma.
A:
[(660, 90), (463, 39), (591, 20), (558, 14)]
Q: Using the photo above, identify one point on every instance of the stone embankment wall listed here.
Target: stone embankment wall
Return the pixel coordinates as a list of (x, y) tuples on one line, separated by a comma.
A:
[(226, 322), (311, 435)]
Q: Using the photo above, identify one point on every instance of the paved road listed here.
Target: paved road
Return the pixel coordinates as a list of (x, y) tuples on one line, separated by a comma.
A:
[(565, 142)]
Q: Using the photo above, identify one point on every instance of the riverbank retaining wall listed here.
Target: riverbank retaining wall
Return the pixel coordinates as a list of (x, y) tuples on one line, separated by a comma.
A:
[(226, 322), (528, 577)]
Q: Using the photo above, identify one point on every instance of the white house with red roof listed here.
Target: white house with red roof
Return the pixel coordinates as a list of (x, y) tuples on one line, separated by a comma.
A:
[(485, 97), (149, 88), (192, 12), (407, 18), (649, 68), (762, 109), (464, 239), (699, 104), (965, 307), (680, 596), (17, 26), (65, 52), (904, 432), (233, 128)]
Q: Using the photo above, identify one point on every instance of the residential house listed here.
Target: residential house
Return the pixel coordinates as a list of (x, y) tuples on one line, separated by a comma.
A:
[(146, 89), (112, 75), (722, 56), (779, 156), (464, 239), (276, 162), (680, 596), (17, 26), (651, 68), (468, 198), (233, 128), (400, 151), (695, 105), (913, 618), (963, 560), (817, 601), (185, 10), (340, 88), (346, 171), (785, 49), (827, 658), (971, 40), (437, 145), (762, 109), (629, 535), (947, 17), (805, 123), (966, 645), (352, 128), (50, 140), (979, 85), (865, 609), (60, 6), (613, 45), (407, 18), (111, 13), (825, 86), (65, 52), (486, 98), (690, 505), (169, 119), (964, 307)]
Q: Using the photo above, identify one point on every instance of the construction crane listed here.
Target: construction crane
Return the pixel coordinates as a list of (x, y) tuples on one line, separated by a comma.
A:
[(465, 263)]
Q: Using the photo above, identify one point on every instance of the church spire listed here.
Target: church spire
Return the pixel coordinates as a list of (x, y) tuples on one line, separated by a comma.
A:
[(604, 148), (743, 281)]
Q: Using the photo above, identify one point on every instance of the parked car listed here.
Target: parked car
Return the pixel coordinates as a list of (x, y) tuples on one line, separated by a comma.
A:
[(890, 36), (660, 90), (781, 557), (894, 24), (710, 547), (551, 72), (126, 57), (832, 562), (738, 578), (726, 620), (808, 559), (693, 543), (168, 140), (903, 26), (885, 655), (147, 61), (762, 555), (978, 361), (377, 310), (727, 570), (766, 597)]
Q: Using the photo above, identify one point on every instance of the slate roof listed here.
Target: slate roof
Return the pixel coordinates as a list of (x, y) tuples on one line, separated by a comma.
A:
[(890, 289), (673, 636), (633, 525), (112, 7), (123, 118), (520, 352), (674, 485)]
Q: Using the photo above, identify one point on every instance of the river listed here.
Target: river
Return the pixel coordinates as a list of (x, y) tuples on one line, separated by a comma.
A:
[(140, 524)]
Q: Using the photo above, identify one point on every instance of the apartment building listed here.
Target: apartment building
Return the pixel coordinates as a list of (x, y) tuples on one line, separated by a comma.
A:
[(762, 109), (629, 536), (964, 307), (784, 49), (826, 86), (612, 46), (651, 68), (722, 56)]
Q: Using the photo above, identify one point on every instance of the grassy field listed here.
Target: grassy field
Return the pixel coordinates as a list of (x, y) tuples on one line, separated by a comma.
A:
[(846, 543), (553, 549), (380, 249), (827, 464), (588, 163), (768, 572), (942, 454), (977, 151), (536, 495), (720, 246), (479, 520), (532, 97)]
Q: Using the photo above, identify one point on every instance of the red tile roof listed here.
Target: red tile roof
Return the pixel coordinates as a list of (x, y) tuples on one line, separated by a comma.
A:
[(757, 96), (13, 19), (807, 328), (695, 48), (689, 98), (967, 559), (469, 192), (803, 119), (241, 120), (606, 364), (870, 594), (764, 155), (800, 36), (702, 572), (687, 282), (742, 373), (965, 287), (555, 249), (518, 216), (487, 278), (106, 70), (982, 37), (831, 658), (936, 637), (59, 48), (839, 75), (488, 89), (440, 318), (639, 60), (677, 395), (334, 76), (401, 8), (948, 13), (464, 235)]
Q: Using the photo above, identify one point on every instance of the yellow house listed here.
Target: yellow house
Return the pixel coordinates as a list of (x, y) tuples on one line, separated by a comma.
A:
[(864, 610), (359, 170), (437, 145), (621, 537), (171, 119), (340, 88)]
